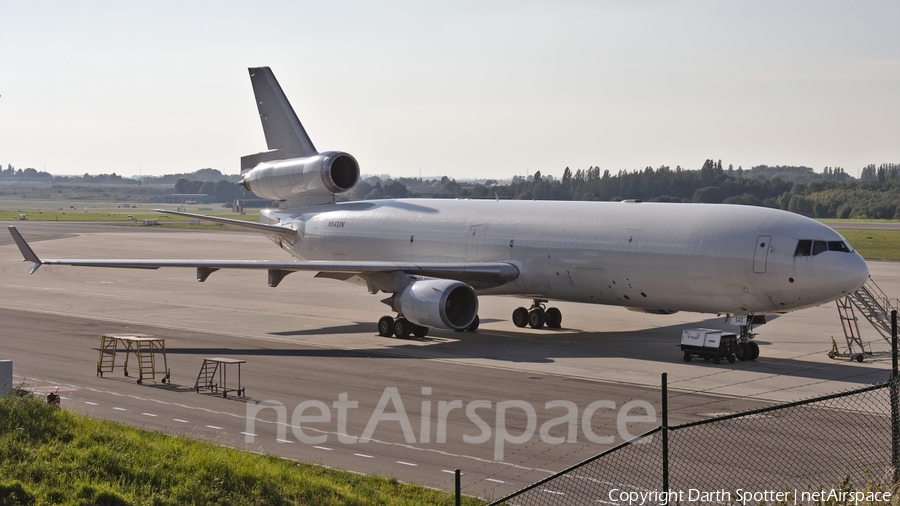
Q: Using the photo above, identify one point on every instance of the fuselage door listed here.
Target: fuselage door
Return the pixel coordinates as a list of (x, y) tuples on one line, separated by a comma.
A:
[(761, 253), (474, 237)]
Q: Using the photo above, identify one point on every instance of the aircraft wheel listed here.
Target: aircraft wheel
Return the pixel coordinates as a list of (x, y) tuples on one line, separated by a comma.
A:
[(402, 328), (520, 317), (753, 350), (742, 353), (687, 357), (536, 318), (474, 325), (386, 326), (554, 318), (420, 331)]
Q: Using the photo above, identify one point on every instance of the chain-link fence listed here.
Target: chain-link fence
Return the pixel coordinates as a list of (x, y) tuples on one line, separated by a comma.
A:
[(844, 441)]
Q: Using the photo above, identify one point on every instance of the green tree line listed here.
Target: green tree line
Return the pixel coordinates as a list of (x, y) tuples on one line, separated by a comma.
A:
[(830, 194)]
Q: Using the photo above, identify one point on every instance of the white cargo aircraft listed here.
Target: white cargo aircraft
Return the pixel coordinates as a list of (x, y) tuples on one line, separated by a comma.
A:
[(435, 257)]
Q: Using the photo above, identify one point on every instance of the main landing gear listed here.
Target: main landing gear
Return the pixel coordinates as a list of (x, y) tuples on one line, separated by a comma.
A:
[(537, 316), (402, 328), (746, 349)]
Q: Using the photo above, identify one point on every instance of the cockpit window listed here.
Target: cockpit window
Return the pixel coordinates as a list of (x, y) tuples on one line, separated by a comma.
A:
[(807, 247), (838, 246)]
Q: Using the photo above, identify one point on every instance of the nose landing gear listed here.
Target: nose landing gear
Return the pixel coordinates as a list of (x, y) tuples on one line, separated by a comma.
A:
[(537, 316), (746, 349)]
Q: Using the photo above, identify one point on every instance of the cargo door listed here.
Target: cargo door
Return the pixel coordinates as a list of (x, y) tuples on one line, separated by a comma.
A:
[(761, 253)]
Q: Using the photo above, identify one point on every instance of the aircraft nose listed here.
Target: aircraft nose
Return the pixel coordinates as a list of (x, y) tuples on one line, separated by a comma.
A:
[(852, 272)]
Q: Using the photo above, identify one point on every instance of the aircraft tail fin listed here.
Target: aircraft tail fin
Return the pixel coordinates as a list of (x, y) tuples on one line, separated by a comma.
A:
[(285, 135)]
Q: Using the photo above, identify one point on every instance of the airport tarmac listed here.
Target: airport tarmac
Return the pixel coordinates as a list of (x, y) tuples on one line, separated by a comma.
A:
[(313, 340)]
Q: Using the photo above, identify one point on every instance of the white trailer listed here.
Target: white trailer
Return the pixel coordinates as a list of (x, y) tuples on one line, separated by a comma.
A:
[(709, 344)]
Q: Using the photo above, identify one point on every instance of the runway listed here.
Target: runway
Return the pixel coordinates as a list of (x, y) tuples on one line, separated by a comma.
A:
[(313, 340)]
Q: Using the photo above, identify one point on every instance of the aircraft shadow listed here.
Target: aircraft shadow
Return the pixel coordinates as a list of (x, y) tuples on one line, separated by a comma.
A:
[(655, 345)]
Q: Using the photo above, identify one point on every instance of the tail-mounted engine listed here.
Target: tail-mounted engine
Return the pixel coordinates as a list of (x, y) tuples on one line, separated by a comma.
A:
[(322, 174), (440, 303)]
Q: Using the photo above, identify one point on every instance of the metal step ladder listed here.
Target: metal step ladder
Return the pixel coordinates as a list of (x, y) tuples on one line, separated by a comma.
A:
[(207, 376), (146, 359), (873, 305)]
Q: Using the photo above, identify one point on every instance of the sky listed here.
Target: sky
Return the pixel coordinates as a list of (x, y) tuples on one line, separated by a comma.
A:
[(480, 89)]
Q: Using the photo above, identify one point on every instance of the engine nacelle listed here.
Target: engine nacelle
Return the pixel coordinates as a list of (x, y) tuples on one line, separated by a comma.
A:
[(440, 303), (322, 174)]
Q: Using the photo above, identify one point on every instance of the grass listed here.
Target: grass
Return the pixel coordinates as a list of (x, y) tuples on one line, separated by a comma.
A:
[(874, 244), (46, 210), (55, 456)]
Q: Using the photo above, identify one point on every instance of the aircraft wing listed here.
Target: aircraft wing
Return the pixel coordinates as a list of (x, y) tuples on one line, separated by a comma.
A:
[(480, 275)]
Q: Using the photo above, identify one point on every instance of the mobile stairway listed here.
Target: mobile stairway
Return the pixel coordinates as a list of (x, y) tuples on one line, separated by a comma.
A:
[(871, 303)]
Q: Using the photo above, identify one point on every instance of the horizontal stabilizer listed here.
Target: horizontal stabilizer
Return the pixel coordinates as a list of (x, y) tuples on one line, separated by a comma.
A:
[(249, 225)]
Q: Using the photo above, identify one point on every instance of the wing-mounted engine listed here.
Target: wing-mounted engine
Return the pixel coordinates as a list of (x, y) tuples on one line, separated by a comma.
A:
[(319, 175), (440, 303)]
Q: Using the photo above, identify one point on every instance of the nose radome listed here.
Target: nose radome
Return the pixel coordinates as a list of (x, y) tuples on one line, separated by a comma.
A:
[(852, 272)]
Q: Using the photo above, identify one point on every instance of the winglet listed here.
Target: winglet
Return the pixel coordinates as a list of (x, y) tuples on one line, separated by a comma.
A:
[(26, 250)]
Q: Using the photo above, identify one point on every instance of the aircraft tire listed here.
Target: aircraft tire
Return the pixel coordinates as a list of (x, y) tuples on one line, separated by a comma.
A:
[(520, 317), (474, 325), (386, 326), (753, 350), (402, 328), (536, 318), (420, 331), (742, 352), (554, 318)]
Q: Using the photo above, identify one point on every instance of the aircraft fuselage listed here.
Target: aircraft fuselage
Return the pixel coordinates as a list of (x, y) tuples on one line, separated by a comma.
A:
[(652, 256)]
